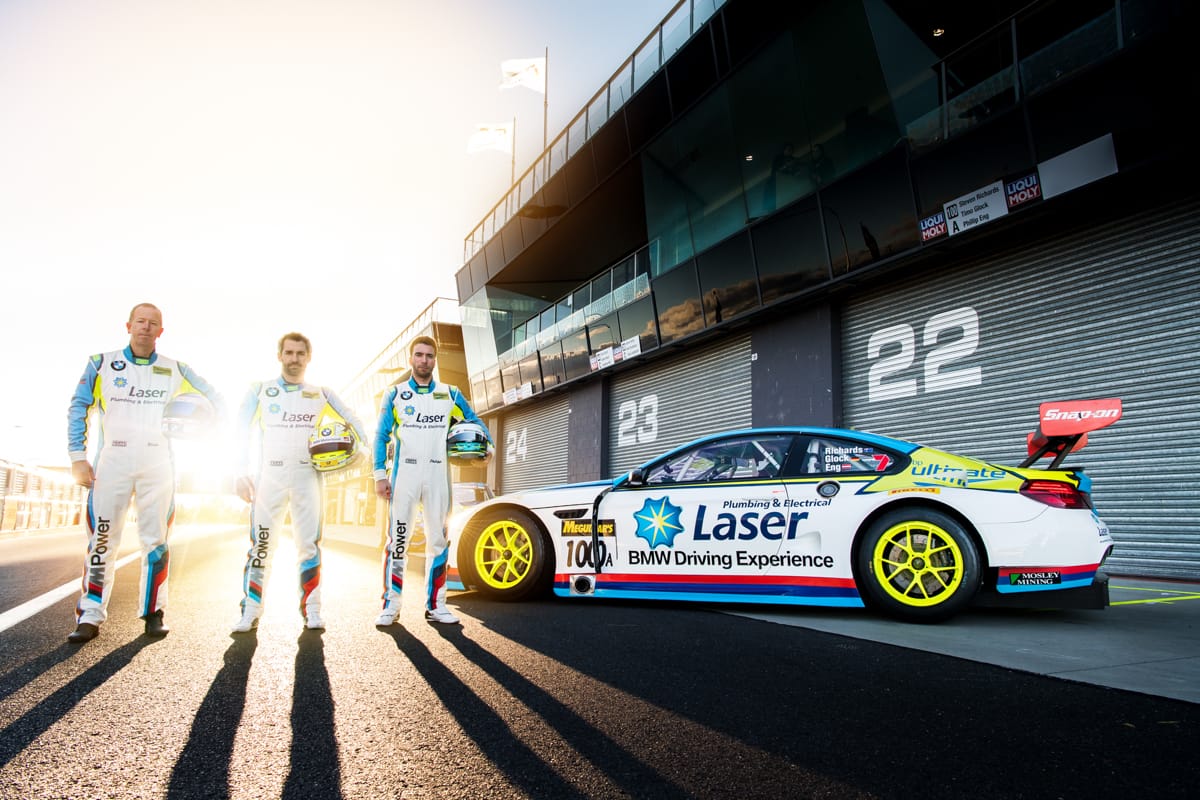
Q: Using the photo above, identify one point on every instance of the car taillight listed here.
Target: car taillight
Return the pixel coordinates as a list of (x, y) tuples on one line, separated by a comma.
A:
[(1057, 494)]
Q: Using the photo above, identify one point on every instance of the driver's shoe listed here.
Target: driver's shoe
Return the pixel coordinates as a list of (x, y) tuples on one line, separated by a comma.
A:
[(154, 624)]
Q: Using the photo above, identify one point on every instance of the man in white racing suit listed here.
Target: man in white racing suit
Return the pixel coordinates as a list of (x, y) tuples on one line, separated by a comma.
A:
[(281, 414), (418, 413), (128, 390)]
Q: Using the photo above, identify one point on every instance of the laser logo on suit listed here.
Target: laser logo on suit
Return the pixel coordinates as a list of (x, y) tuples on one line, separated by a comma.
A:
[(426, 420)]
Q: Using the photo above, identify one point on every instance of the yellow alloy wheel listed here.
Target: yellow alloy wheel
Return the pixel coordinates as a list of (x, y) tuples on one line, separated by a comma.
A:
[(917, 563), (503, 555)]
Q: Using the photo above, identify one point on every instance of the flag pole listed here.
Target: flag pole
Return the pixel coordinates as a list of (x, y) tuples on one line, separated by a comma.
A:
[(546, 99)]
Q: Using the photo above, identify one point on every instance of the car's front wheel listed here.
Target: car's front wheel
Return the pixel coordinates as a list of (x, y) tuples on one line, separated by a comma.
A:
[(918, 564), (505, 557)]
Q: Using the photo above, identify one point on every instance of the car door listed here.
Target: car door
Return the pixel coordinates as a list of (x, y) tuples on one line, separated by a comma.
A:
[(709, 513), (825, 476)]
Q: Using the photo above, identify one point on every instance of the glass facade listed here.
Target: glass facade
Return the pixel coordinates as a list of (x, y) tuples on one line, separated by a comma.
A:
[(831, 135)]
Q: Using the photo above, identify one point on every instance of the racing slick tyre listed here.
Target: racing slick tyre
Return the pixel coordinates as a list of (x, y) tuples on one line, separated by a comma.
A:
[(918, 565), (505, 557)]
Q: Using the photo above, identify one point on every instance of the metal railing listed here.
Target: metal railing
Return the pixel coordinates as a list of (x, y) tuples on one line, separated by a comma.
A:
[(656, 49)]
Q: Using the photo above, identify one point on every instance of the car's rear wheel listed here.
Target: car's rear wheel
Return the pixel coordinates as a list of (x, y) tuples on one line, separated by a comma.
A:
[(505, 557), (918, 564)]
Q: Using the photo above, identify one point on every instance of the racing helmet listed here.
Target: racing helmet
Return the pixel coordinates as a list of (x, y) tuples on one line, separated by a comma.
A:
[(188, 416), (467, 443), (331, 446)]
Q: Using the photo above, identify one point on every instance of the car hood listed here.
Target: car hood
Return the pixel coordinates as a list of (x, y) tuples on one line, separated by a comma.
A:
[(567, 494)]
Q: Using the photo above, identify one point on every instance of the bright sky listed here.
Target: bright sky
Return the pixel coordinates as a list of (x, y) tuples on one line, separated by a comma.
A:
[(254, 167)]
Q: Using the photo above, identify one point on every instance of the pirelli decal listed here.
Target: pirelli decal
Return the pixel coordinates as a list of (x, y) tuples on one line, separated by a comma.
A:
[(583, 527)]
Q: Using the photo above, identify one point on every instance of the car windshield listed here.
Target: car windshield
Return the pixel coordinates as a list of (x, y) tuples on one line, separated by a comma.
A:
[(741, 458)]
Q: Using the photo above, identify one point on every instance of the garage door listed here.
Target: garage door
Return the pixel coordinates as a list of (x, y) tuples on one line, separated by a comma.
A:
[(961, 361), (534, 445), (663, 404)]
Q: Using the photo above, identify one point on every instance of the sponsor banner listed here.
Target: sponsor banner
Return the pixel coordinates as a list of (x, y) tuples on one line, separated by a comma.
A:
[(980, 207), (603, 359), (933, 227), (1023, 190)]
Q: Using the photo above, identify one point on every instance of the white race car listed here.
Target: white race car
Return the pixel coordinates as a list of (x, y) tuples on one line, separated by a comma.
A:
[(808, 516)]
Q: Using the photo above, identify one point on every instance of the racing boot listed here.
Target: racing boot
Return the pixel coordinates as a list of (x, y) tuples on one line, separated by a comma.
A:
[(84, 632), (247, 623), (154, 624), (441, 615), (386, 618)]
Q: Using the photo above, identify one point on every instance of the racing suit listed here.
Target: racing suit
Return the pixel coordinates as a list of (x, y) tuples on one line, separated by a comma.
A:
[(418, 417), (133, 459), (284, 415)]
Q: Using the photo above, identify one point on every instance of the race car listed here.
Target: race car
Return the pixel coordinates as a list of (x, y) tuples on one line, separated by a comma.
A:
[(809, 517)]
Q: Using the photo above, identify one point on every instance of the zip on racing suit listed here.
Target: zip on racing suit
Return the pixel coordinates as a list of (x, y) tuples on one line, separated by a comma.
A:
[(284, 415), (134, 458), (418, 418)]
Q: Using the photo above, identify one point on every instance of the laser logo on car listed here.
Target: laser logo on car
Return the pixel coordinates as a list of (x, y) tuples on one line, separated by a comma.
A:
[(658, 522)]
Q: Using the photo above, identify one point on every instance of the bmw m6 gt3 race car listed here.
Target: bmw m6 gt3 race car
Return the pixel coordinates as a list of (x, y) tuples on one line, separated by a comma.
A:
[(808, 516)]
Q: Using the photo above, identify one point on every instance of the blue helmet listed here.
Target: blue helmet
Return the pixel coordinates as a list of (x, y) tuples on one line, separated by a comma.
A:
[(188, 416)]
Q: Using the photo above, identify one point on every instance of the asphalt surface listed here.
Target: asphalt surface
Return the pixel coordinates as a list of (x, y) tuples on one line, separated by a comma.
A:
[(1147, 641), (588, 699)]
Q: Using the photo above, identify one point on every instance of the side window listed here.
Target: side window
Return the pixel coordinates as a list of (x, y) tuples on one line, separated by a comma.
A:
[(744, 458), (669, 471), (768, 454)]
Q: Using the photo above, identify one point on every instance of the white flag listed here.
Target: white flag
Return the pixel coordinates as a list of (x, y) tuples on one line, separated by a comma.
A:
[(530, 72), (496, 136)]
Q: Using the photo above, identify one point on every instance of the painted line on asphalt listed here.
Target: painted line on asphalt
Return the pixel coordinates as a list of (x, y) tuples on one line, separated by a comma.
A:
[(28, 609), (1175, 595), (31, 607)]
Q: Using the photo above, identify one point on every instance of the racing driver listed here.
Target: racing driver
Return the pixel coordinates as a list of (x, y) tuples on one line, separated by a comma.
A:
[(284, 412), (129, 389), (418, 413)]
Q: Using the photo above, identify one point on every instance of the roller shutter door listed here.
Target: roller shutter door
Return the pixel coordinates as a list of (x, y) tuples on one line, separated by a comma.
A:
[(534, 445), (667, 403), (962, 359)]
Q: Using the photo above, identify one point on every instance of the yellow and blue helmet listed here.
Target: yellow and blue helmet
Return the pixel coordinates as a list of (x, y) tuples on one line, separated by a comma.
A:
[(331, 446)]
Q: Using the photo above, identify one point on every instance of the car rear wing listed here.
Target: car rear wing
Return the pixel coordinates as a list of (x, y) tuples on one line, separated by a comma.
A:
[(1063, 427)]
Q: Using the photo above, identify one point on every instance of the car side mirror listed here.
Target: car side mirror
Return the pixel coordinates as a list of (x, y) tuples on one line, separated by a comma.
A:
[(635, 477)]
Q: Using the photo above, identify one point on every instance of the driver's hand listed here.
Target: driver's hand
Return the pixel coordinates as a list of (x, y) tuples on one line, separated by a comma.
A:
[(245, 488), (83, 473)]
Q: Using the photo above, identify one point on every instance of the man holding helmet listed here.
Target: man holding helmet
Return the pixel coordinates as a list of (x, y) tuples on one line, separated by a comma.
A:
[(419, 413), (129, 390), (302, 431)]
